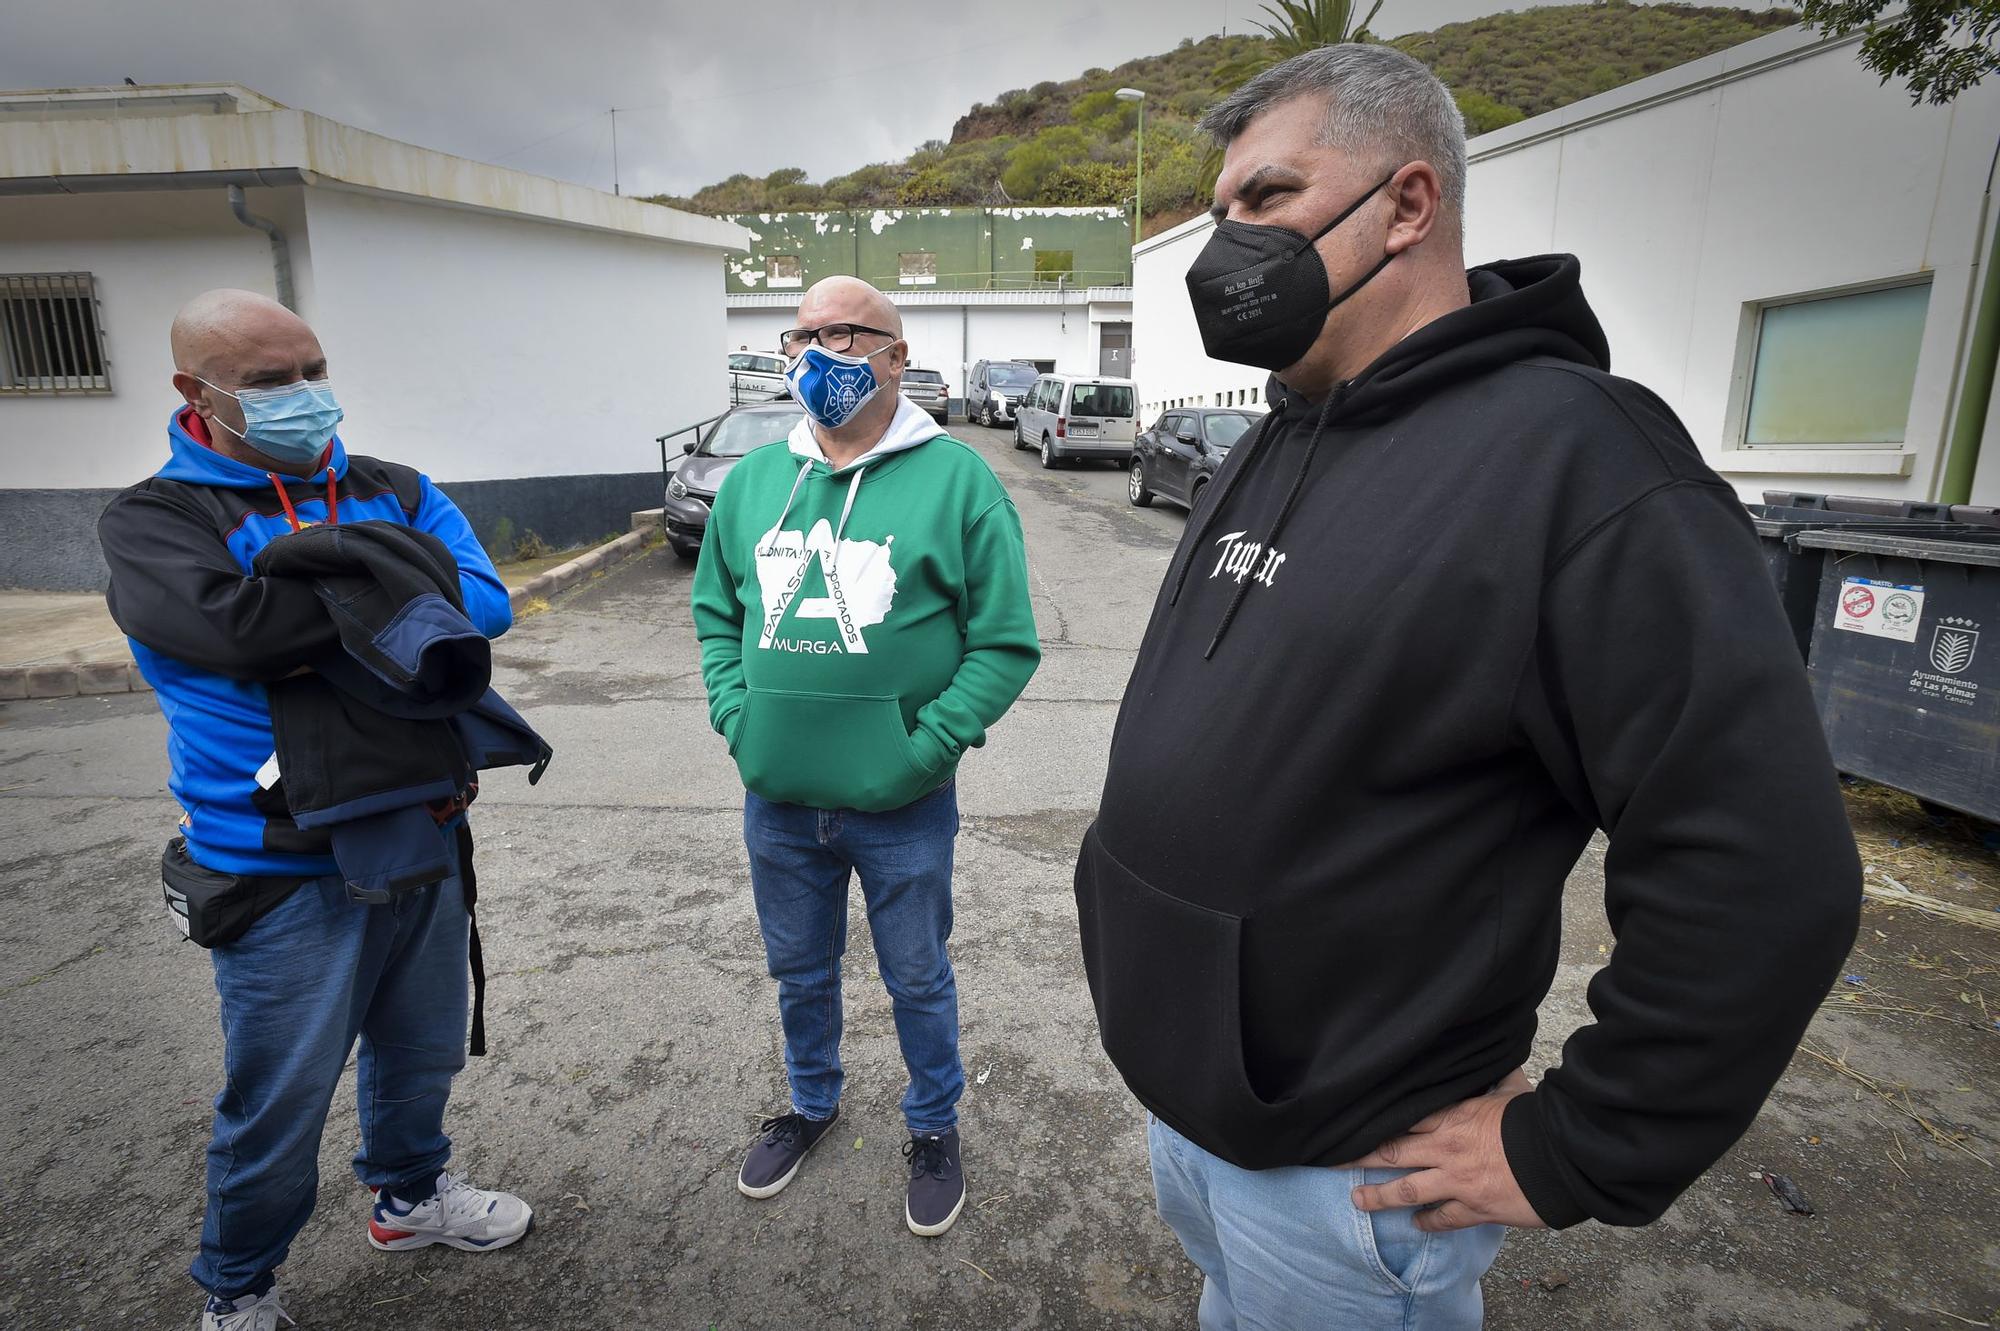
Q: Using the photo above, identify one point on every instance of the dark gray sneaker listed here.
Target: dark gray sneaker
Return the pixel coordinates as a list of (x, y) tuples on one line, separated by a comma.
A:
[(779, 1152), (937, 1184)]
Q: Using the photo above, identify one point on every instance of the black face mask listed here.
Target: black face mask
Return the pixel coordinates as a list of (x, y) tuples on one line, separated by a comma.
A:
[(1259, 292)]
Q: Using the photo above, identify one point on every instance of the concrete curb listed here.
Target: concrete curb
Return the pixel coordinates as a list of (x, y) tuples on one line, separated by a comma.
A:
[(70, 679), (564, 576), (22, 683)]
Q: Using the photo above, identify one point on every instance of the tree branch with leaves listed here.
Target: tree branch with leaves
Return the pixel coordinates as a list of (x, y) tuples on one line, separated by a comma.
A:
[(1939, 47)]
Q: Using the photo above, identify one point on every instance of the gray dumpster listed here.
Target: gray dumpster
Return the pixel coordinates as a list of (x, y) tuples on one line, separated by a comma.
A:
[(1905, 662)]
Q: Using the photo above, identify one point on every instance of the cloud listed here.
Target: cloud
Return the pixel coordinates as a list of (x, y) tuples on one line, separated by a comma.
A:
[(707, 89)]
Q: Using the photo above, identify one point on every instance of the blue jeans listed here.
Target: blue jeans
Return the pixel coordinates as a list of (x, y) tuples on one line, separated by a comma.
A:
[(1286, 1249), (800, 862), (296, 990)]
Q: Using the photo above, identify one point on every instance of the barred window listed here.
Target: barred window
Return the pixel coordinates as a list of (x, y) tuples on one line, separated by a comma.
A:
[(50, 338)]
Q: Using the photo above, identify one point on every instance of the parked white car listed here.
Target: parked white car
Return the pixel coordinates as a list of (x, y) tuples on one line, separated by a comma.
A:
[(1078, 416), (755, 376)]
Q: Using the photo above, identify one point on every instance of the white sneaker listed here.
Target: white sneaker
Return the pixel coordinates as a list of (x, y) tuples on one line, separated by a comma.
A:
[(247, 1314), (460, 1215)]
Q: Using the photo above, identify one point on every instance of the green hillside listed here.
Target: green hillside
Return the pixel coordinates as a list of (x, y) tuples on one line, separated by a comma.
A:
[(1072, 142)]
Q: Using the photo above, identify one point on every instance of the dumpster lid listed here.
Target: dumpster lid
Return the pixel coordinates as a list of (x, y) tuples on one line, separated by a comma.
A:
[(1956, 550)]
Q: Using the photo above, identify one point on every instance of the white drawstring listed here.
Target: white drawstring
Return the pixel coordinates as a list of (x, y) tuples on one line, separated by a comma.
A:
[(846, 508), (787, 511)]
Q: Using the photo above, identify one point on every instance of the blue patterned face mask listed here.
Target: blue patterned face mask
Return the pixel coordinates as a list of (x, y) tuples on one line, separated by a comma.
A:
[(832, 387), (291, 424)]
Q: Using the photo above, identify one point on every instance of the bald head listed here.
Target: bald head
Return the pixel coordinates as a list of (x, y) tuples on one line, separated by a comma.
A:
[(226, 341), (849, 300), (226, 330)]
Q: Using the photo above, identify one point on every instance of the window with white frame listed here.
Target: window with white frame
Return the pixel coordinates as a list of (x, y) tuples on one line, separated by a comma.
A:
[(51, 338), (918, 269), (1835, 371), (783, 270)]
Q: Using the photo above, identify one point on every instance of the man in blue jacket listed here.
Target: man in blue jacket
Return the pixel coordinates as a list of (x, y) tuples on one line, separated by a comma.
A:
[(305, 970)]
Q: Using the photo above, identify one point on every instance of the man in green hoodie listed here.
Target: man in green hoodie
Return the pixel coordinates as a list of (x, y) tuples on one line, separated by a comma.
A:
[(862, 605)]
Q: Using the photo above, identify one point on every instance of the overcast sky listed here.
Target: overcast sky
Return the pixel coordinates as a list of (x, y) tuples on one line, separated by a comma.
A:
[(705, 89)]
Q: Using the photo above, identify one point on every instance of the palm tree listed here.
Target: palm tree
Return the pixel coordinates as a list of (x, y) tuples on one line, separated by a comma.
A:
[(1295, 27)]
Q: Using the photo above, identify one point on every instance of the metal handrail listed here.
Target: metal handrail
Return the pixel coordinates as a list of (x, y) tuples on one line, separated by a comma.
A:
[(661, 440)]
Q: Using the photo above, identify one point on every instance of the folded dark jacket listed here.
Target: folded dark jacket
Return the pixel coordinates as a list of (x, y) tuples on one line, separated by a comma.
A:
[(402, 716), (392, 594)]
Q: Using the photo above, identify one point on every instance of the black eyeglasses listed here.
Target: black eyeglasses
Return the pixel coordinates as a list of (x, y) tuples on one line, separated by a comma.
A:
[(834, 337)]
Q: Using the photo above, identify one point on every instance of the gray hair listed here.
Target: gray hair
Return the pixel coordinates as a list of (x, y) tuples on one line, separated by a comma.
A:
[(1381, 104)]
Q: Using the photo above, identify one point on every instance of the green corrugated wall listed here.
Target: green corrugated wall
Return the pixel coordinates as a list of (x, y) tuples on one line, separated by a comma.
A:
[(977, 249)]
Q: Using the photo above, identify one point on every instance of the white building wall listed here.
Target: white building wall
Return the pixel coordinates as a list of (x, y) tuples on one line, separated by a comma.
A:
[(1779, 168), (480, 347), (1805, 176), (149, 252), (1168, 363)]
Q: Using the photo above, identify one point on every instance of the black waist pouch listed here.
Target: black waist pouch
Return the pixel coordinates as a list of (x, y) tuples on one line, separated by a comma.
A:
[(215, 908)]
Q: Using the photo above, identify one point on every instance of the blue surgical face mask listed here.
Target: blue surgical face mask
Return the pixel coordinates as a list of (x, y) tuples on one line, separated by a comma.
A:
[(832, 387), (291, 424)]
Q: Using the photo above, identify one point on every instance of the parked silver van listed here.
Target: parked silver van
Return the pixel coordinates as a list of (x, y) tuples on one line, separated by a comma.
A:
[(1077, 416)]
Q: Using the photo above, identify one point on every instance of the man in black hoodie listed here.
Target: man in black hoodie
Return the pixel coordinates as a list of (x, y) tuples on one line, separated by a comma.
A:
[(1461, 600)]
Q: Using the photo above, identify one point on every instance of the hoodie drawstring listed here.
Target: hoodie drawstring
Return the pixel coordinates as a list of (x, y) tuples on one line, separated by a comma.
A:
[(845, 509), (786, 511), (1278, 525), (292, 514), (848, 507)]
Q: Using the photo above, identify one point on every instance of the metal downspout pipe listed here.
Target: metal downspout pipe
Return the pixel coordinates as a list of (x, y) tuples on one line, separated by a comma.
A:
[(1975, 395), (281, 250)]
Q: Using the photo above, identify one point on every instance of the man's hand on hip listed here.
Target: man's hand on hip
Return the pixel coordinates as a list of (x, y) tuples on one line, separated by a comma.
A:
[(1461, 1170)]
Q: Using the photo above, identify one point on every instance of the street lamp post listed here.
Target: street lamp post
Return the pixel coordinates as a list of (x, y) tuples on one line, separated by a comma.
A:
[(1139, 171)]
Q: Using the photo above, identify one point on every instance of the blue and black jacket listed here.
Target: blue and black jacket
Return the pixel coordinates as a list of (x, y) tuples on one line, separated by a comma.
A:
[(211, 636)]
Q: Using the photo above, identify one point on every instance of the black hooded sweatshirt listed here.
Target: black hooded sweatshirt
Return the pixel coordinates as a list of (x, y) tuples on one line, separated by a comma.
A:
[(1421, 639)]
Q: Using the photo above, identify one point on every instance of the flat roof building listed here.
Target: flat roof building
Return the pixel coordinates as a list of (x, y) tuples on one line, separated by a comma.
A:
[(520, 339)]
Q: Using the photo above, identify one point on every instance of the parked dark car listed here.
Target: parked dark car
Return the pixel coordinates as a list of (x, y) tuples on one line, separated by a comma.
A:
[(1182, 451), (692, 488), (928, 390)]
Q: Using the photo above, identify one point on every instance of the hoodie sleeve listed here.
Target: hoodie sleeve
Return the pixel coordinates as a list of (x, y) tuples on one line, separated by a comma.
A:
[(1001, 648), (718, 624), (1667, 698), (486, 603), (176, 589)]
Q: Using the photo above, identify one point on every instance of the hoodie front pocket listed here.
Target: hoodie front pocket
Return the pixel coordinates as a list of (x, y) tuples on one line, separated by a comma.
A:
[(1165, 976), (827, 750)]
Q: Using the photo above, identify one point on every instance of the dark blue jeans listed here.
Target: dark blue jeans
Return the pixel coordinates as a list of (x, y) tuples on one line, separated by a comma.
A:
[(296, 990), (800, 862)]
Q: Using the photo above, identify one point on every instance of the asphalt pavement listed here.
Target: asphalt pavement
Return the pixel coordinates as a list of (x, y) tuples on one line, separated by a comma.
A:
[(635, 1046)]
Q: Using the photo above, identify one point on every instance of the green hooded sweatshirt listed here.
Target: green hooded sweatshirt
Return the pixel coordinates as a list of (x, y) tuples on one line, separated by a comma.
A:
[(861, 628)]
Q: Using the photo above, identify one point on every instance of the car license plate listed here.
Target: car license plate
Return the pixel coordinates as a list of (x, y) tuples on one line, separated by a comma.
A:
[(1084, 431)]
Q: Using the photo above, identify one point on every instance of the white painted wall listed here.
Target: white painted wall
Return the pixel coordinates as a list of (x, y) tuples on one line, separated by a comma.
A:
[(149, 253), (1805, 176), (1168, 363), (474, 346), (480, 347), (1689, 197)]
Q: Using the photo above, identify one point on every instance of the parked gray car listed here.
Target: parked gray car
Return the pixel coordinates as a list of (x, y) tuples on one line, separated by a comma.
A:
[(692, 489), (928, 390)]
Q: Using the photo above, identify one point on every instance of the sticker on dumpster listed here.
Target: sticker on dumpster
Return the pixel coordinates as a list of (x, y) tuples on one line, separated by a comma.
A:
[(1879, 609)]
